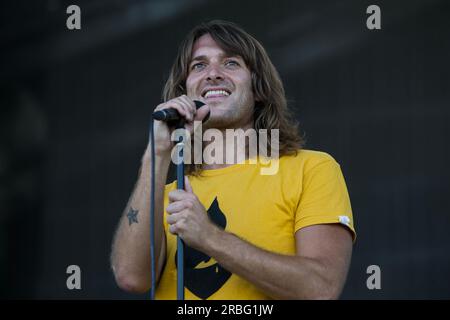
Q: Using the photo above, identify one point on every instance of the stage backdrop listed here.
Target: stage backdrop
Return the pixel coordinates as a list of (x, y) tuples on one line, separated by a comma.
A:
[(75, 108)]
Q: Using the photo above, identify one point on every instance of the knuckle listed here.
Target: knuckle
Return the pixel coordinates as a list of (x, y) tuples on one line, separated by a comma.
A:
[(178, 107), (181, 225), (160, 106), (173, 194), (189, 204), (174, 103), (184, 204)]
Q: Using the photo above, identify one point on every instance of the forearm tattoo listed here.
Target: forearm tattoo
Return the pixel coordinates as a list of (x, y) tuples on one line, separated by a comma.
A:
[(132, 216)]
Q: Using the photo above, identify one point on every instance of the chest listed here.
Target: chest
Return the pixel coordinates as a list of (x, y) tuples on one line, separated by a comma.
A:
[(260, 212)]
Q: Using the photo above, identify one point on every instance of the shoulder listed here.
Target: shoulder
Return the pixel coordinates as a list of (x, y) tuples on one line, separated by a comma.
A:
[(306, 160)]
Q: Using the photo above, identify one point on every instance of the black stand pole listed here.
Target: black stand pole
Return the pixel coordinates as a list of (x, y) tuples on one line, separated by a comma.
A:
[(180, 243)]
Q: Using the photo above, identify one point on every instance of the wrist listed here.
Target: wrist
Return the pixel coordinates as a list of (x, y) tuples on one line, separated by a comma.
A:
[(213, 240), (162, 164)]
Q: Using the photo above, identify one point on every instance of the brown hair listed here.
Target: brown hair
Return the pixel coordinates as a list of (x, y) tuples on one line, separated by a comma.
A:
[(271, 111)]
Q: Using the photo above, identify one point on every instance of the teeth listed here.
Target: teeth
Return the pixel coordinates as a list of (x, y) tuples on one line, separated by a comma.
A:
[(216, 92)]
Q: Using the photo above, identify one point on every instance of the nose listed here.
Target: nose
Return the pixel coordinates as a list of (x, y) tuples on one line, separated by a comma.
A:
[(214, 73)]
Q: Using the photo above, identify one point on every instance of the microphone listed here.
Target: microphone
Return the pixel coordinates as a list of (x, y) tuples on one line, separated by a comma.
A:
[(171, 114)]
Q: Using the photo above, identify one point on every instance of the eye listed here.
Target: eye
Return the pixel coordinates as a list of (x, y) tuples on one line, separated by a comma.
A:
[(198, 66), (232, 63)]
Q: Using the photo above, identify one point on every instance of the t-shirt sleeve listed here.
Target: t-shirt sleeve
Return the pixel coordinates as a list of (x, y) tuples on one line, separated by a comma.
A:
[(324, 197)]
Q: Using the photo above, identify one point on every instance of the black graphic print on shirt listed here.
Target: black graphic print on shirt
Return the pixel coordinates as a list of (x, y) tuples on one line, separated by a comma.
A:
[(203, 276)]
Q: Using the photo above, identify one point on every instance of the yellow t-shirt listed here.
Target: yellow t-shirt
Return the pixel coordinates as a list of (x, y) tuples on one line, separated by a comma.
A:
[(265, 210)]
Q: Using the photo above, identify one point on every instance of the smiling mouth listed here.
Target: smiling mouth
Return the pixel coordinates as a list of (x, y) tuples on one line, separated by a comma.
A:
[(216, 94)]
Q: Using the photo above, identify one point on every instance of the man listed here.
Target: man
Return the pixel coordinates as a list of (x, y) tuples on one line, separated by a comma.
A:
[(248, 236)]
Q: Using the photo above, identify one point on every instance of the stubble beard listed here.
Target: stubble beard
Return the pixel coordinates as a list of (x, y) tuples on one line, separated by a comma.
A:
[(236, 115)]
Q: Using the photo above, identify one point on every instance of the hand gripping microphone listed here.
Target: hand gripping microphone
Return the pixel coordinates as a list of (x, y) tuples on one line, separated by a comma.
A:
[(172, 115)]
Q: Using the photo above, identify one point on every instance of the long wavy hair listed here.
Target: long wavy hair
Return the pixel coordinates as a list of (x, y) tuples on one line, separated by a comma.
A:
[(270, 111)]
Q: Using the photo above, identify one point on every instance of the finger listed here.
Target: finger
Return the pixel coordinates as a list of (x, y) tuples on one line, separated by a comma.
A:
[(187, 114), (175, 105), (187, 107), (203, 113), (187, 185), (177, 195), (173, 229), (178, 227), (178, 206), (173, 208), (173, 218), (190, 104)]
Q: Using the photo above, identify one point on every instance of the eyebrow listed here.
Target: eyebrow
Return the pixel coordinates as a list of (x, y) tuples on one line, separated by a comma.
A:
[(203, 57)]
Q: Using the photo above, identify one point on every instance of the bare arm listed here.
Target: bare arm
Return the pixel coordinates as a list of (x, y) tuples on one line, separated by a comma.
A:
[(317, 271), (130, 257)]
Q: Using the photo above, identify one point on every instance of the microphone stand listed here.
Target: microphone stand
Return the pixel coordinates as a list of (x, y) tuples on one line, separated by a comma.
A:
[(162, 115), (180, 186)]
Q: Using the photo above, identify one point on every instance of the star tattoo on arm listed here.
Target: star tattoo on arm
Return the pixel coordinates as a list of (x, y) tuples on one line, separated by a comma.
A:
[(132, 216)]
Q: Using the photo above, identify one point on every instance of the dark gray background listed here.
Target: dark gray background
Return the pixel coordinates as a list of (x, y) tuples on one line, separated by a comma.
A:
[(74, 118)]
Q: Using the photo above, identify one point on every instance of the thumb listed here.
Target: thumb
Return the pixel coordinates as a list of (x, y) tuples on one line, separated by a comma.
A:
[(187, 185)]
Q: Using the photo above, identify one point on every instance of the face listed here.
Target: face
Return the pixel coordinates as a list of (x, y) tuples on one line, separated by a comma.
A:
[(223, 82)]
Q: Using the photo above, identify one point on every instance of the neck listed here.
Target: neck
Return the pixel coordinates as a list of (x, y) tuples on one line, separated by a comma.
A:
[(228, 146)]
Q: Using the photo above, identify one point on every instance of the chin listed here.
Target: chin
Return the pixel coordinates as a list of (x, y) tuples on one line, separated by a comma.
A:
[(222, 122)]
